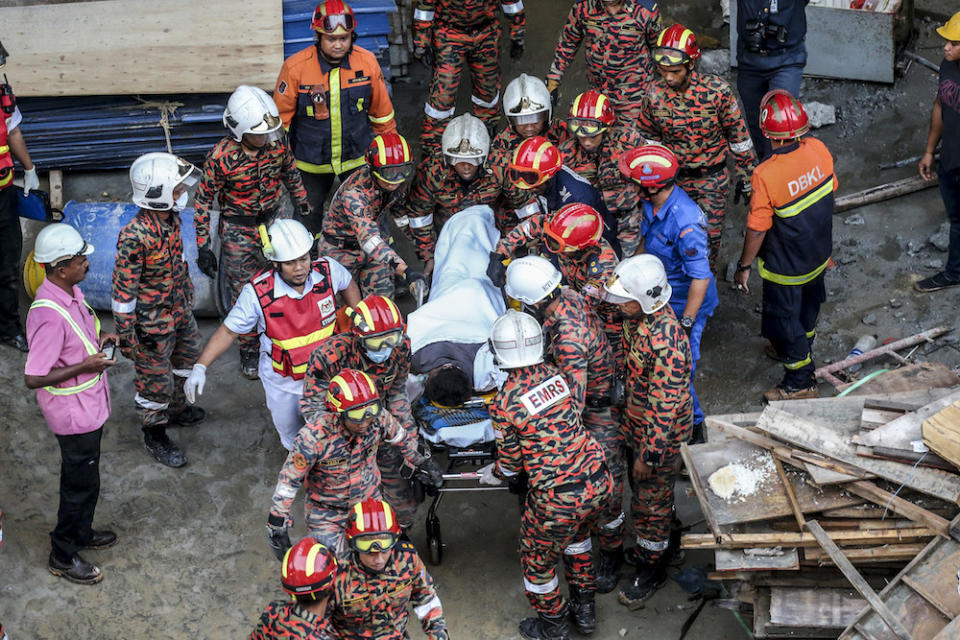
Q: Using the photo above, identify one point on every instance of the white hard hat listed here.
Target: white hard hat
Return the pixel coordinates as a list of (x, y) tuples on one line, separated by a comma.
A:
[(526, 97), (251, 110), (155, 175), (517, 340), (640, 278), (59, 241), (466, 139), (531, 279), (287, 240)]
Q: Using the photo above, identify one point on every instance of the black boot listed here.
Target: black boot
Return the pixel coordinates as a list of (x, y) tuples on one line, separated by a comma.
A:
[(649, 578), (163, 449), (583, 610), (699, 433), (187, 417), (545, 628), (608, 570)]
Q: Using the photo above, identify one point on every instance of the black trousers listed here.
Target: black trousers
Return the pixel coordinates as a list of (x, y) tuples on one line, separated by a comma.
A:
[(789, 321), (79, 491), (11, 242), (319, 186)]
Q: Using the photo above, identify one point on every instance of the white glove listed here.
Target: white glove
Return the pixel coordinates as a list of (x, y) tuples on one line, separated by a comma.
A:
[(487, 476), (193, 387), (30, 181)]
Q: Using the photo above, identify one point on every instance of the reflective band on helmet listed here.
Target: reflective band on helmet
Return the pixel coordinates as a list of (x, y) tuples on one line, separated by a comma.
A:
[(541, 589), (480, 102), (150, 405), (789, 280), (437, 114), (421, 221), (584, 546), (511, 8), (742, 147), (653, 545), (371, 243), (423, 16), (123, 307), (428, 606), (615, 524)]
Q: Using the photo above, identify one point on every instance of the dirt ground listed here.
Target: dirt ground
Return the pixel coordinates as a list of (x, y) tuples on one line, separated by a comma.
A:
[(193, 559)]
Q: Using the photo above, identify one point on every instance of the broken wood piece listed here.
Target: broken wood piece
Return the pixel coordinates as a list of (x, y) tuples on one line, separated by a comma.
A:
[(882, 192), (865, 555), (924, 336), (941, 432), (791, 496), (848, 524), (904, 431), (857, 580), (743, 560), (818, 608), (794, 539), (900, 506)]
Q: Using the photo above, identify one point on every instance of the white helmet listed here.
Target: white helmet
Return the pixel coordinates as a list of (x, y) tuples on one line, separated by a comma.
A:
[(155, 175), (251, 110), (531, 279), (286, 240), (59, 241), (466, 139), (517, 340), (642, 279), (525, 98)]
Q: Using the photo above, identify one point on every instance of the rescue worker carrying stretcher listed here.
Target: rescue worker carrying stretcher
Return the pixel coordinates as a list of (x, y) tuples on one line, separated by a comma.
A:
[(381, 579), (332, 99), (243, 174), (790, 231), (697, 117), (293, 309), (539, 433)]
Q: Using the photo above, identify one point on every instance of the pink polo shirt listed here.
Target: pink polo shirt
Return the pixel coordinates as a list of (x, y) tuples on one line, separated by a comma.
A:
[(54, 344)]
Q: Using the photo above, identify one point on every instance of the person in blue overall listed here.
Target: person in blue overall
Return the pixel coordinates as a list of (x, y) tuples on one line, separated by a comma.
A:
[(674, 229)]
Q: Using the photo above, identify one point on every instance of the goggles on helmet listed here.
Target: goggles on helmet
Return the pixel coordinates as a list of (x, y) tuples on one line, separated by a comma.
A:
[(668, 57), (558, 245), (525, 178), (330, 24), (586, 127), (527, 118), (374, 542), (394, 173), (384, 340), (359, 414)]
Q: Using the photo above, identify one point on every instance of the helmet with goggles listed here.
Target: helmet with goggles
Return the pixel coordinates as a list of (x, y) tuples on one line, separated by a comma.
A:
[(535, 161), (676, 45), (353, 395), (573, 227), (372, 526), (333, 18), (377, 322), (590, 114), (390, 158)]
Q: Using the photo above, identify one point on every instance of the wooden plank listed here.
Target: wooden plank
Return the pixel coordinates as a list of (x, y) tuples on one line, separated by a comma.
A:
[(931, 596), (868, 555), (135, 47), (795, 539), (936, 578), (941, 432), (822, 476), (741, 560), (699, 490), (920, 618), (857, 580), (898, 505), (811, 607), (902, 432), (791, 496), (949, 632)]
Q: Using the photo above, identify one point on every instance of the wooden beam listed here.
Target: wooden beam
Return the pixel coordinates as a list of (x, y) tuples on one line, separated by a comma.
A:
[(884, 553), (791, 496), (881, 193), (898, 505), (857, 580), (794, 539)]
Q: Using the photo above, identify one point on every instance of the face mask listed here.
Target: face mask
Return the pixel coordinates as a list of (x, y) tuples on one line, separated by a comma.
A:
[(380, 355), (181, 202)]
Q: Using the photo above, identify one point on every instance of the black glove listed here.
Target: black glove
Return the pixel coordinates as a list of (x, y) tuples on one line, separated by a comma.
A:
[(430, 474), (496, 270), (426, 57), (742, 192), (279, 540), (207, 262), (555, 97), (416, 284), (516, 49)]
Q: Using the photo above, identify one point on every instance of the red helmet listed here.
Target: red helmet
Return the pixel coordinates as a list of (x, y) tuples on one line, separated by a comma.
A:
[(372, 525), (535, 161), (652, 165), (782, 117), (573, 227), (676, 45), (353, 394), (590, 114), (333, 17), (378, 322), (308, 568), (390, 159)]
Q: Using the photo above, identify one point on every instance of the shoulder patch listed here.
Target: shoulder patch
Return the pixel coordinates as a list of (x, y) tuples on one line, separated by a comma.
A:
[(299, 461), (545, 395), (282, 87)]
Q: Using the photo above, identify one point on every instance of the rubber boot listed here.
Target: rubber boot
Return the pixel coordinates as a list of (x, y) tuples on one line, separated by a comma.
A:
[(583, 610), (608, 570), (187, 417), (163, 450), (545, 628), (650, 576)]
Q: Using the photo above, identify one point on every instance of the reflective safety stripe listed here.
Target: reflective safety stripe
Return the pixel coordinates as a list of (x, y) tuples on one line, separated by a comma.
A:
[(326, 168), (427, 607), (483, 103), (812, 334), (528, 210), (5, 149), (123, 307), (285, 491), (89, 346), (402, 221), (810, 199), (615, 524), (302, 341), (436, 114), (150, 405), (498, 434), (423, 16), (384, 119), (541, 589), (504, 472), (653, 545), (397, 438), (336, 124), (371, 243), (789, 280), (793, 366), (742, 147), (182, 373), (576, 548), (6, 180), (297, 368), (510, 8), (421, 221)]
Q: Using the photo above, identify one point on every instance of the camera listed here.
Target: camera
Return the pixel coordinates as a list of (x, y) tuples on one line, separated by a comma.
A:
[(757, 33)]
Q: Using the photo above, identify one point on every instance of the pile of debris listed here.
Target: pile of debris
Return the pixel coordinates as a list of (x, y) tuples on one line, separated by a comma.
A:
[(837, 517)]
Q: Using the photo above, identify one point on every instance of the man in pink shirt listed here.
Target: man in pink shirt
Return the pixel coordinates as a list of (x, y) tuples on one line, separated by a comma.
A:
[(66, 365)]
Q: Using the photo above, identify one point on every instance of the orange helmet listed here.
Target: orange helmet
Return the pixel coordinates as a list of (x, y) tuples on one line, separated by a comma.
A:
[(676, 45), (590, 114), (573, 227), (535, 161), (333, 17), (309, 568), (782, 117), (354, 395), (652, 165), (372, 525), (378, 322), (390, 159)]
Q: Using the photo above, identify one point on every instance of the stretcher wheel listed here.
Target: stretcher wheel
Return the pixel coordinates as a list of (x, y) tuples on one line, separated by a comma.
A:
[(434, 541)]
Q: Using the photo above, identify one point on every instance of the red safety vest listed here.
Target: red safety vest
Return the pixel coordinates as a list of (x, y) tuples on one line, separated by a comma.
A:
[(296, 326), (6, 159)]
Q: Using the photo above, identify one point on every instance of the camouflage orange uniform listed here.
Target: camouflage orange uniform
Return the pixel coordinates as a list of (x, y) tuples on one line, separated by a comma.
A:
[(338, 469), (600, 168), (438, 193), (344, 351), (352, 234), (657, 417), (539, 432), (701, 125), (580, 349), (376, 605), (248, 191), (617, 50), (290, 621), (463, 32), (153, 312)]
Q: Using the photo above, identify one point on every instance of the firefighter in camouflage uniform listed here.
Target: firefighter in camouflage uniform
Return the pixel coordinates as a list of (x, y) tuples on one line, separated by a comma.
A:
[(536, 419), (243, 174), (618, 36), (152, 301), (578, 346), (657, 414), (308, 574), (353, 234), (451, 34), (697, 117)]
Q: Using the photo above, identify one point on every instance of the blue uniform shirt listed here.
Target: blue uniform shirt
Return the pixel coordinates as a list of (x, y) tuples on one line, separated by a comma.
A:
[(568, 186)]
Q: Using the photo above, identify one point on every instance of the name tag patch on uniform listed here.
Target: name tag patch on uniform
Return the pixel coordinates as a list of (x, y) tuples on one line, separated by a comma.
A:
[(545, 395), (327, 306), (358, 80), (282, 87), (333, 462)]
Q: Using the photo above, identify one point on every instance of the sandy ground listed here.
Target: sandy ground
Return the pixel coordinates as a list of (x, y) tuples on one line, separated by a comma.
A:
[(193, 559)]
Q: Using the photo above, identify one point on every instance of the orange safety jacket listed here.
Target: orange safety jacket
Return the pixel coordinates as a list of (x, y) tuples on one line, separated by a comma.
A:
[(292, 323), (6, 159)]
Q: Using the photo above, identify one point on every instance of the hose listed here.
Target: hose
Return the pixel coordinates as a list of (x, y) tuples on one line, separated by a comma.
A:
[(861, 382)]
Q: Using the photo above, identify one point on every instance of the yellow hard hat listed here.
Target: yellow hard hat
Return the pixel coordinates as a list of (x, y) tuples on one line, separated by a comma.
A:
[(33, 276), (951, 30)]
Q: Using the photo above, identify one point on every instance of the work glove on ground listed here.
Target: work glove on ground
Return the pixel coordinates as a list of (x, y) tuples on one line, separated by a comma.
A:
[(496, 270), (516, 48), (30, 181), (488, 477), (426, 57), (416, 284), (193, 386), (742, 193), (279, 540), (207, 262)]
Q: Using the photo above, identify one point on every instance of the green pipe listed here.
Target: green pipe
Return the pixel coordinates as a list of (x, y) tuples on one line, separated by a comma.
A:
[(861, 382)]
